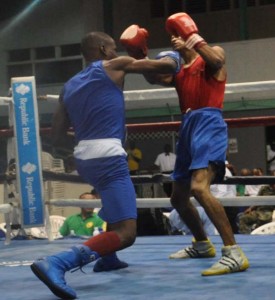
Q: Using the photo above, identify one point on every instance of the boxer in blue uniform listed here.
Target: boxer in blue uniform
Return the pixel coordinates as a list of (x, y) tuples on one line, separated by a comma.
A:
[(93, 103)]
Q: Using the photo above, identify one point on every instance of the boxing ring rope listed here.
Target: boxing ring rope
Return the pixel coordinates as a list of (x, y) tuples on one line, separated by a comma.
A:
[(165, 202), (231, 88), (162, 202), (142, 179), (171, 126), (137, 97)]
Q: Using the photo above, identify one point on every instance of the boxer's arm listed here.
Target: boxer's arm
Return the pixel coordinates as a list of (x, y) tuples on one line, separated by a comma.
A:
[(215, 59), (185, 35), (117, 68), (60, 125), (213, 56)]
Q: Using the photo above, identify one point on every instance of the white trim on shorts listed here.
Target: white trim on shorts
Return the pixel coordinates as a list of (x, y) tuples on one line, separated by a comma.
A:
[(89, 149)]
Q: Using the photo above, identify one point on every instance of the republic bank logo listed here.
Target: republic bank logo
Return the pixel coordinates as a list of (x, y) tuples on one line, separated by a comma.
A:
[(29, 168), (22, 89)]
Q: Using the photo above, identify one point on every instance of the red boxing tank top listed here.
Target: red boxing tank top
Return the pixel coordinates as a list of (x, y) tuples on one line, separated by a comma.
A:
[(196, 87)]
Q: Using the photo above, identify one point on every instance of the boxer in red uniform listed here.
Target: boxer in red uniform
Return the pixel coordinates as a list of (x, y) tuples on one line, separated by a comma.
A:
[(202, 144)]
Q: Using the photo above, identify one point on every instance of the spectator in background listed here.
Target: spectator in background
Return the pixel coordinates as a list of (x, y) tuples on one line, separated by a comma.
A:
[(134, 157), (253, 190), (70, 165), (241, 187), (177, 224), (226, 191), (270, 153), (84, 223), (256, 216), (219, 191), (165, 162)]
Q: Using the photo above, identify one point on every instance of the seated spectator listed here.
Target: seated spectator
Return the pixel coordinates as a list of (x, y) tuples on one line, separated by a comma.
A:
[(219, 191), (256, 216), (241, 187), (253, 190), (83, 224), (270, 153), (224, 190), (70, 165), (177, 225)]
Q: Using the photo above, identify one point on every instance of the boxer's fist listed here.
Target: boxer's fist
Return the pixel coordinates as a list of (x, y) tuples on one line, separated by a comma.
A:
[(181, 24), (134, 40), (174, 55)]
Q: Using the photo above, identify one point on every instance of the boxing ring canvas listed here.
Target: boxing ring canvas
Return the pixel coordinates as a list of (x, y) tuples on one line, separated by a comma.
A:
[(150, 273)]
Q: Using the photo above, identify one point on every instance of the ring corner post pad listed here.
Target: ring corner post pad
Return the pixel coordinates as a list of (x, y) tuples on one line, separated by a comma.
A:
[(28, 151)]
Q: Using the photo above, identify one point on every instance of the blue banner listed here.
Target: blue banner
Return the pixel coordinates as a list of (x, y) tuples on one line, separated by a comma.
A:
[(29, 171)]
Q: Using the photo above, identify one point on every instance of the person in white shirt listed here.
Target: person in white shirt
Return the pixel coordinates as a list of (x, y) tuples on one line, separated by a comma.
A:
[(165, 161), (253, 190), (270, 153), (224, 190)]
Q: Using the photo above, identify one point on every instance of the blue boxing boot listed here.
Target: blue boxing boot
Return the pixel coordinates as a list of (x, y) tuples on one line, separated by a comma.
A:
[(109, 263), (51, 269)]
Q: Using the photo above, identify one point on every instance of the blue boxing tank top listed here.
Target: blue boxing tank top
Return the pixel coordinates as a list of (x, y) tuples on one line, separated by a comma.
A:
[(95, 104)]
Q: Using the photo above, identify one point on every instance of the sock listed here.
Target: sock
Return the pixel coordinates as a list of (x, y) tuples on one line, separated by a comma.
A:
[(104, 243)]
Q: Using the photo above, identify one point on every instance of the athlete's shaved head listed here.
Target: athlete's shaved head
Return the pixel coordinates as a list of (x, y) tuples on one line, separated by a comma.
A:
[(93, 45)]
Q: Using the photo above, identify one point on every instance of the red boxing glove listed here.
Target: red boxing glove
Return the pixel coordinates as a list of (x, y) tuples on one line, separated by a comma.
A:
[(134, 40), (181, 24)]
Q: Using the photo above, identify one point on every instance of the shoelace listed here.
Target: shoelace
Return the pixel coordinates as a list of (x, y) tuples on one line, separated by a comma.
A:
[(92, 258)]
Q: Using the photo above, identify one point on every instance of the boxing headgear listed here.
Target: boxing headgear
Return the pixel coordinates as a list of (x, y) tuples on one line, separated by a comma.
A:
[(172, 54)]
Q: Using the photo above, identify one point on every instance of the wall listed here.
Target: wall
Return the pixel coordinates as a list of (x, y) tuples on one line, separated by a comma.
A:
[(66, 21), (50, 23), (215, 26), (251, 148)]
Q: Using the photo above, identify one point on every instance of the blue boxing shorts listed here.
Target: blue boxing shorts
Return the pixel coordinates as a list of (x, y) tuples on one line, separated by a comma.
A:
[(202, 141), (110, 177)]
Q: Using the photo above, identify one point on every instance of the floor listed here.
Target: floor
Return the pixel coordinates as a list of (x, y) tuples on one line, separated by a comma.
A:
[(150, 275)]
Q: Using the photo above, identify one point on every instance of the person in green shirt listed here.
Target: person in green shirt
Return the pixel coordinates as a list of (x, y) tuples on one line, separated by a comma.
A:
[(84, 223)]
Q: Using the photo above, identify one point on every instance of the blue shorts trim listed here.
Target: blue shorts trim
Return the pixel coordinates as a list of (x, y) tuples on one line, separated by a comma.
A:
[(202, 140)]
